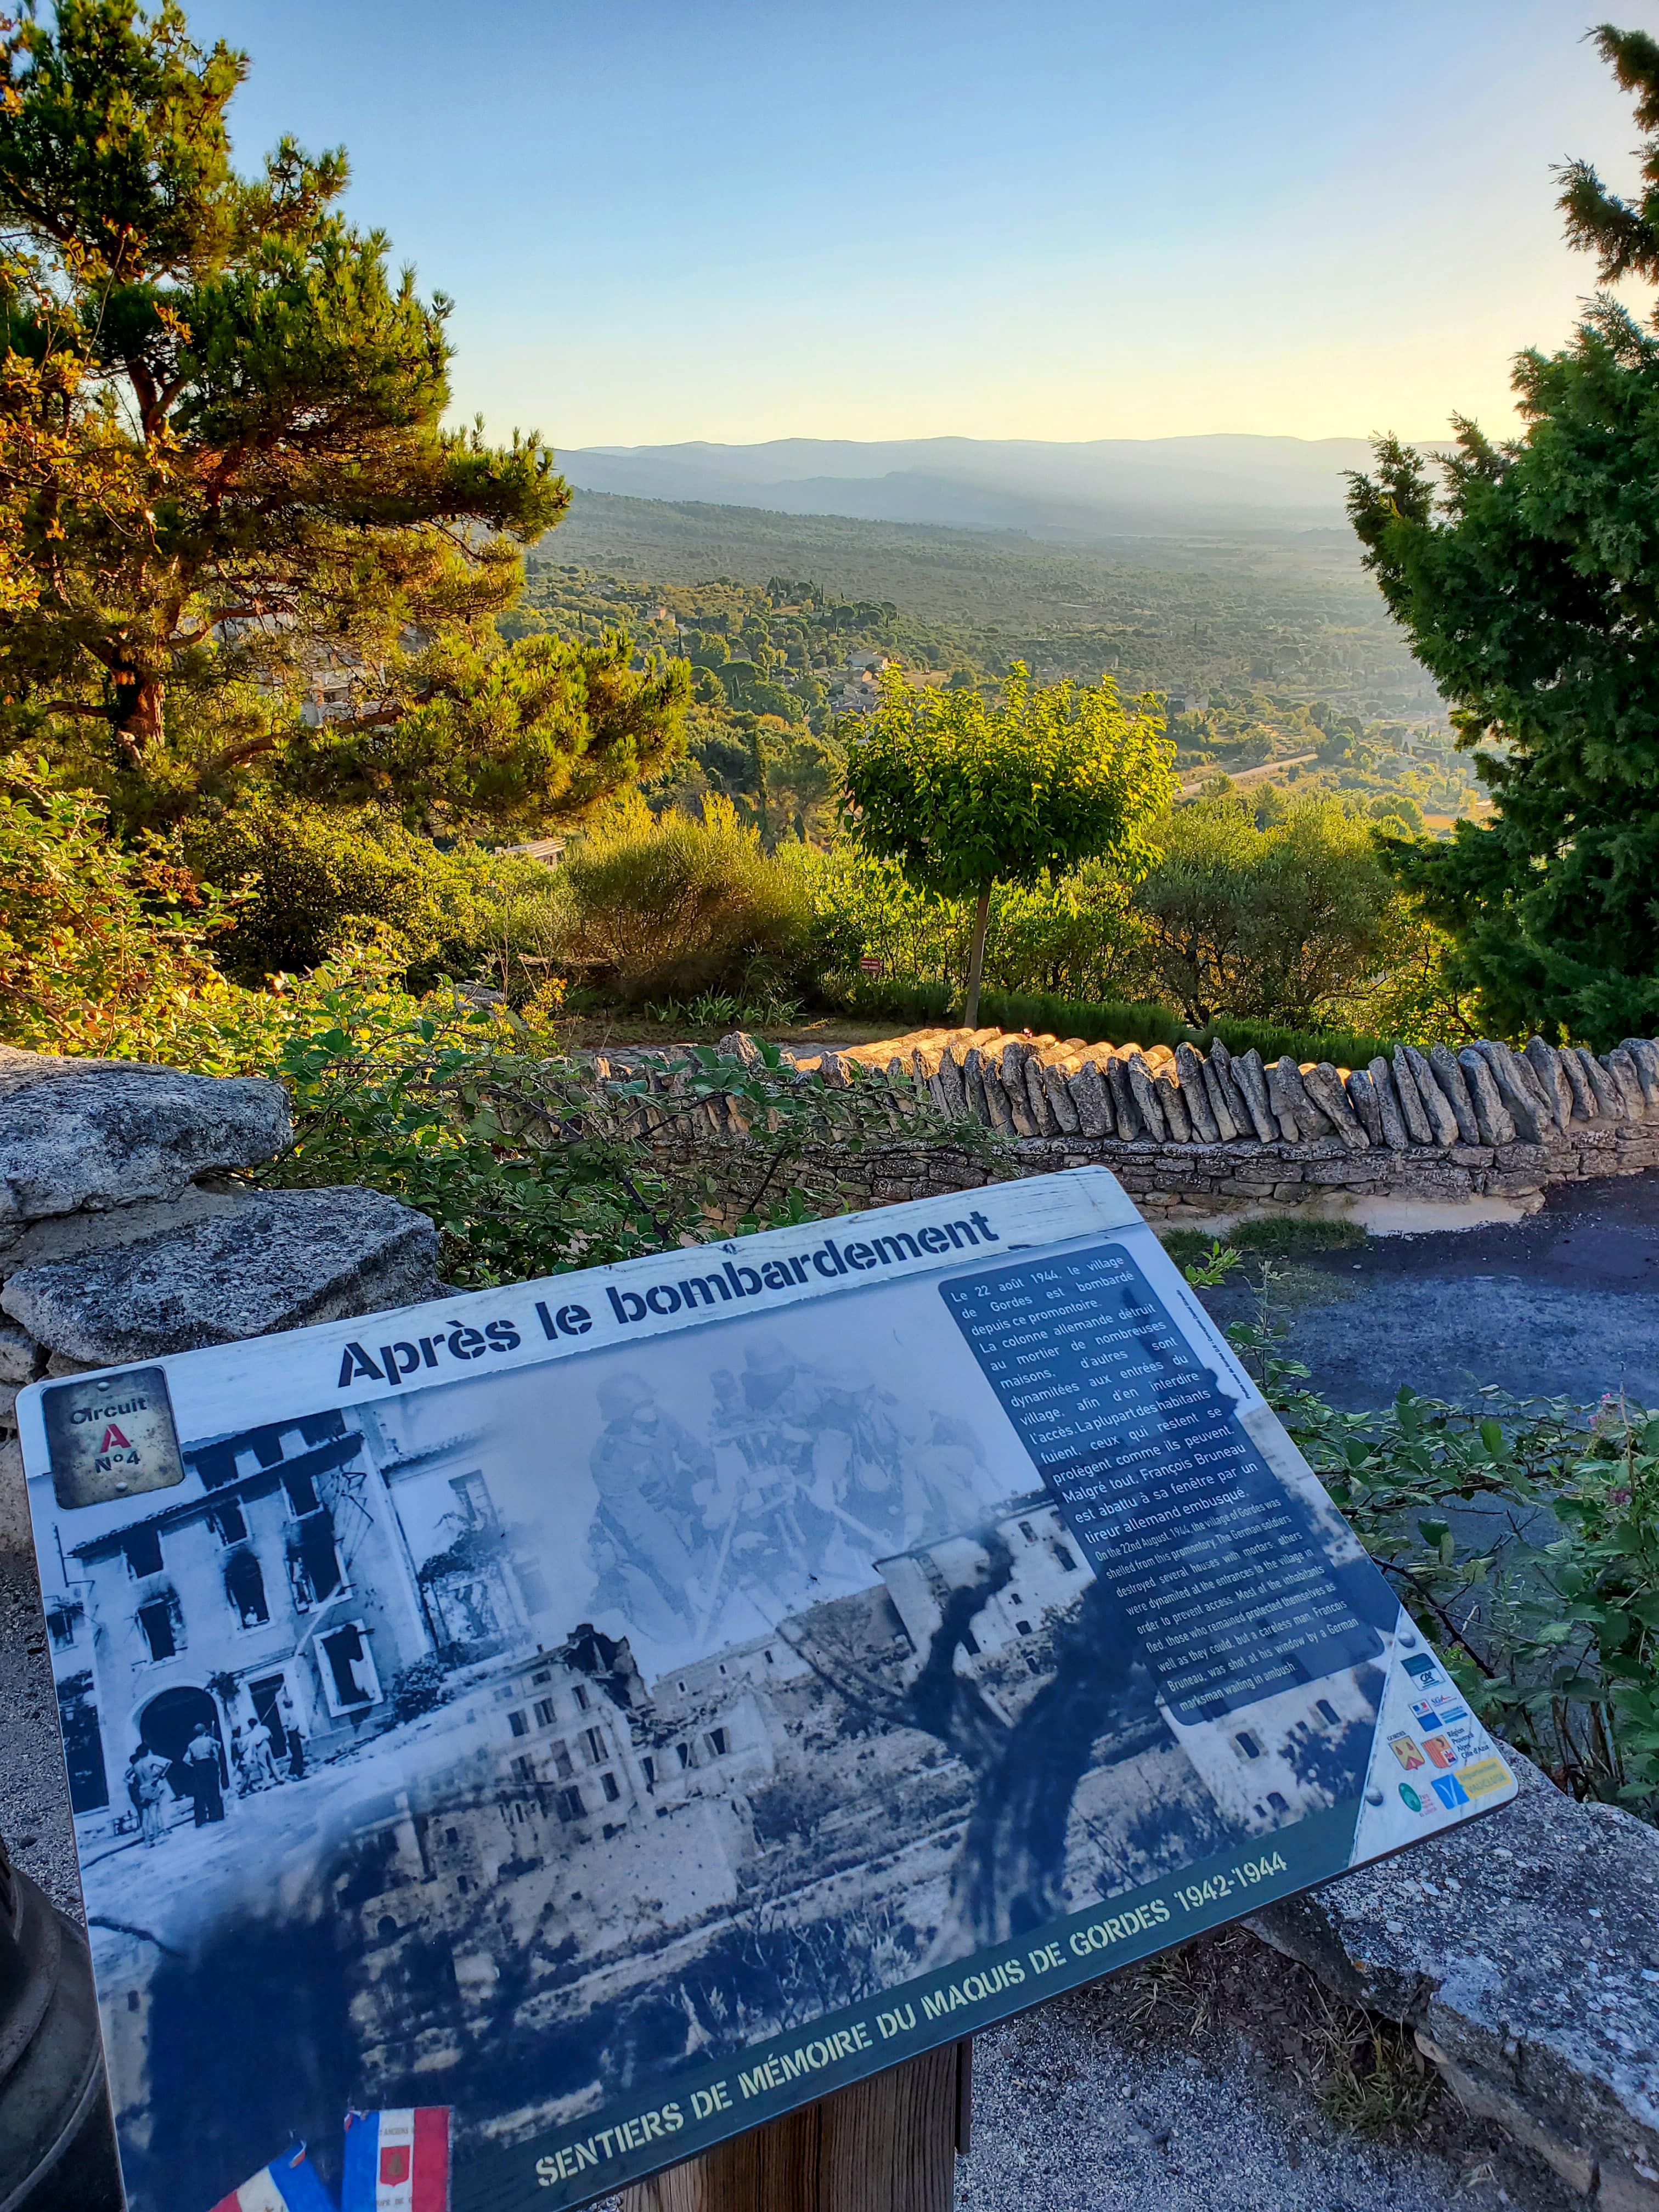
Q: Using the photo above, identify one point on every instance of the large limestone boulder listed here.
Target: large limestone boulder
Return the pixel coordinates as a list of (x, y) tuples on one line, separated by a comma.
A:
[(1524, 1951), (96, 1133), (277, 1260), (70, 1236)]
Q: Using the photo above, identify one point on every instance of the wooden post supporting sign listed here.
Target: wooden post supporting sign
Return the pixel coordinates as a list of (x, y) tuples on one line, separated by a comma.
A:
[(888, 2144)]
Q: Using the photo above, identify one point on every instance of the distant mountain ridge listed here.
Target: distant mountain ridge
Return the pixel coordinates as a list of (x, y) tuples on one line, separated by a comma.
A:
[(1104, 485)]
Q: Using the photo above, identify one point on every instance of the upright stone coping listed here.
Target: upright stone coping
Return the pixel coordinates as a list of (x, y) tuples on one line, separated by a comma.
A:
[(1152, 1117), (1414, 1102), (1523, 1950), (94, 1133)]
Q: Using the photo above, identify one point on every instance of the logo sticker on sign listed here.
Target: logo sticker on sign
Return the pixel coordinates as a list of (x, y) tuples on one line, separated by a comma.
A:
[(112, 1436)]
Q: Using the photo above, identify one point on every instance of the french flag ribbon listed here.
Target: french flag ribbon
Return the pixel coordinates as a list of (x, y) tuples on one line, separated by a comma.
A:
[(288, 2183), (397, 2161)]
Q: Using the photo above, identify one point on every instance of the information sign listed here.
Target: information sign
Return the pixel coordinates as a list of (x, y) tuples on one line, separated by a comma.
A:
[(519, 1741)]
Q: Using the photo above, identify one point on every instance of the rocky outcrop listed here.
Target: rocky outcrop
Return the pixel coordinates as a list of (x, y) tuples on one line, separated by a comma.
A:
[(77, 1134), (1523, 1950), (279, 1260), (123, 1239)]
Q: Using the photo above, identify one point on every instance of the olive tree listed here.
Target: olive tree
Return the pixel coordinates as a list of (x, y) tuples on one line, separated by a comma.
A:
[(963, 793), (1278, 924)]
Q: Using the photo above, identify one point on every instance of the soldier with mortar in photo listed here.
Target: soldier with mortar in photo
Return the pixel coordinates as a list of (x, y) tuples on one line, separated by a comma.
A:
[(647, 1536)]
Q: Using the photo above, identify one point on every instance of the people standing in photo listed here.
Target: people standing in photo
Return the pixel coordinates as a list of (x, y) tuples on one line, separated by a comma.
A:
[(288, 1713), (147, 1785), (202, 1759), (256, 1746)]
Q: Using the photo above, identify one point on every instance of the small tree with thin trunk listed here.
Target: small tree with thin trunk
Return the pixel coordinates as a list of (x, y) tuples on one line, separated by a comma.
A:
[(964, 794)]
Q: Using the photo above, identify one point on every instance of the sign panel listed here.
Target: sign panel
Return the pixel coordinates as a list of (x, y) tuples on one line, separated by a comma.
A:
[(545, 1733)]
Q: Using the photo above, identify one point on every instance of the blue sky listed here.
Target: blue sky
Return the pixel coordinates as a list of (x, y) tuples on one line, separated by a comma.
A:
[(670, 219)]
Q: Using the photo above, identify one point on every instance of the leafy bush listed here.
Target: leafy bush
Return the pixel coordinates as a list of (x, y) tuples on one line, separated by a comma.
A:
[(1344, 1048), (1283, 924), (1549, 1621), (1288, 937), (1422, 990), (1076, 937), (1523, 1538), (661, 909), (107, 951), (526, 1168), (111, 949), (719, 1010), (315, 879)]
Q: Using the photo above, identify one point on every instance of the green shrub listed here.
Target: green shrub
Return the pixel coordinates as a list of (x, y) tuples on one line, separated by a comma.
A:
[(527, 1170), (313, 879), (1076, 938), (1282, 924), (497, 920), (1547, 1610), (110, 950), (668, 908), (1542, 1596), (106, 950), (1289, 938), (1344, 1047)]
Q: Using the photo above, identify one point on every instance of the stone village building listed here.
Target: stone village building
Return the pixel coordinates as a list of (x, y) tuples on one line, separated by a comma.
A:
[(1256, 1764), (587, 1830), (292, 1577), (602, 1828), (594, 1816), (305, 1566)]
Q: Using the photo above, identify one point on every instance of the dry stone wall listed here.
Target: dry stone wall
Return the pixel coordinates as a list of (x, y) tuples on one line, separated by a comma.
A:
[(122, 1236), (1203, 1131)]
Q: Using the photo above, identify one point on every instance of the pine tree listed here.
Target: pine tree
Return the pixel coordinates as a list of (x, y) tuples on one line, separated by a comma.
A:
[(1526, 575), (225, 482)]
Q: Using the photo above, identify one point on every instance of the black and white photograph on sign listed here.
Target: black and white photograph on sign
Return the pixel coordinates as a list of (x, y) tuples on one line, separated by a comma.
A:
[(568, 1762)]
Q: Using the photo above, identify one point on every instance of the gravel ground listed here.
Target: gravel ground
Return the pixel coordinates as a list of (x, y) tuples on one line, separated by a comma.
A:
[(34, 1815), (1086, 2106)]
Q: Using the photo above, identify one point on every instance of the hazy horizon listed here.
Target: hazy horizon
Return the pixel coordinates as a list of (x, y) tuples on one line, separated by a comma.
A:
[(940, 221), (1075, 488)]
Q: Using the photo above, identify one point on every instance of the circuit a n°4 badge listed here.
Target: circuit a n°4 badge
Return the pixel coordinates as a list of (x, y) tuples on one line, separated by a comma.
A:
[(111, 1435)]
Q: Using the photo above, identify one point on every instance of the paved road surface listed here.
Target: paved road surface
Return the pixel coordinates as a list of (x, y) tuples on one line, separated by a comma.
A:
[(1563, 1303)]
